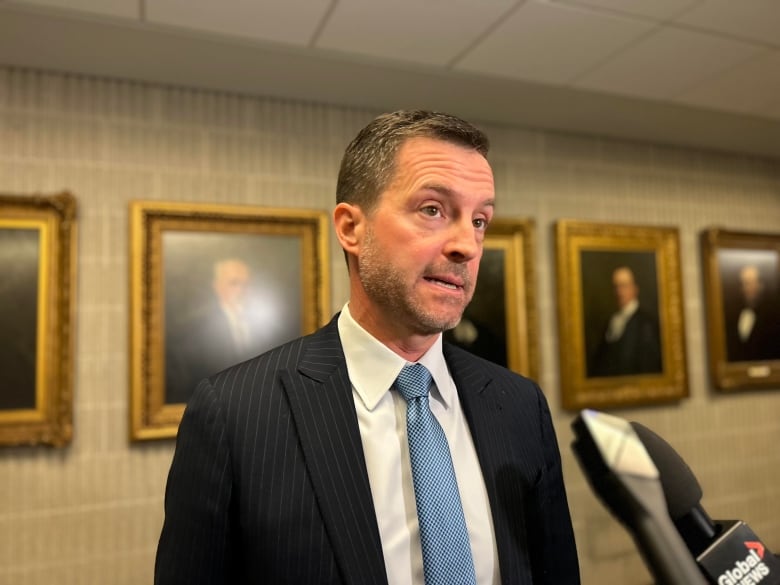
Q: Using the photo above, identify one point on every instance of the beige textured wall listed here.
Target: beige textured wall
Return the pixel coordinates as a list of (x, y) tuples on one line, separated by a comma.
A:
[(90, 514)]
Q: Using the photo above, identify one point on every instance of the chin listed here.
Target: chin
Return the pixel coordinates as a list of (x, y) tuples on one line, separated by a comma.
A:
[(433, 324), (429, 318)]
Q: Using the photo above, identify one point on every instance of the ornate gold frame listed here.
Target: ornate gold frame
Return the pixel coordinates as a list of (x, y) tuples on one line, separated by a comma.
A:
[(578, 390), (733, 375), (51, 421), (150, 416)]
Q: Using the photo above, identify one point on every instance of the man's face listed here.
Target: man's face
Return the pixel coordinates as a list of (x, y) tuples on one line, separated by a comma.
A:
[(750, 282), (421, 245), (231, 282), (624, 286)]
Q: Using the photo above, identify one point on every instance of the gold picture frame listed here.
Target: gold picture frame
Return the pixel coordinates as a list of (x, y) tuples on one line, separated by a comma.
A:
[(37, 299), (188, 264), (742, 292), (500, 323), (639, 357)]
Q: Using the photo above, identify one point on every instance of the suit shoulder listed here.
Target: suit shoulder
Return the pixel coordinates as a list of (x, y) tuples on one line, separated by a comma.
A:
[(468, 360), (254, 384), (280, 357), (645, 315), (321, 347)]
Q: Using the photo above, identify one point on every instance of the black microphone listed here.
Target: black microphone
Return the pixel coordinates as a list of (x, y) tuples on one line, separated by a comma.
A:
[(621, 472), (728, 552)]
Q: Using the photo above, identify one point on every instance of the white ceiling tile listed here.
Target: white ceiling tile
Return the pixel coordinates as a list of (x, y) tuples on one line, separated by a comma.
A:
[(551, 43), (666, 63), (751, 87), (757, 20), (65, 40), (432, 32), (285, 21), (116, 8), (655, 9)]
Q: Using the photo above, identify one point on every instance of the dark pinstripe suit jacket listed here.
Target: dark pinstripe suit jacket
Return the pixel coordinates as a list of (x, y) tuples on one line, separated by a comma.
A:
[(269, 484)]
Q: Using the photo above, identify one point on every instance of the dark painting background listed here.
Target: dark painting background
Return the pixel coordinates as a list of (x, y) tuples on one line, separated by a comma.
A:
[(19, 269)]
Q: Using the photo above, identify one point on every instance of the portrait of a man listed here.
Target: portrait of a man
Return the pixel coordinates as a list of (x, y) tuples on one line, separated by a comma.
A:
[(751, 304), (19, 266), (621, 313), (228, 297)]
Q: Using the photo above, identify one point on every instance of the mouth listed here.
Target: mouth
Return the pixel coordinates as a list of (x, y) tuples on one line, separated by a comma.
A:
[(448, 283)]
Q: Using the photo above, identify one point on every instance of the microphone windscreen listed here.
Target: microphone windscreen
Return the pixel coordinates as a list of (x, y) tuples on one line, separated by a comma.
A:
[(681, 488)]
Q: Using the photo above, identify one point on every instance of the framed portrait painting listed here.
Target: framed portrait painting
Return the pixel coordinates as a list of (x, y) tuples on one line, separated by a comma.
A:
[(742, 293), (37, 293), (620, 315), (212, 286), (500, 322)]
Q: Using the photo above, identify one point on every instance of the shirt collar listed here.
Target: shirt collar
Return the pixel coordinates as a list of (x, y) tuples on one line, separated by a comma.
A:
[(373, 367), (630, 308)]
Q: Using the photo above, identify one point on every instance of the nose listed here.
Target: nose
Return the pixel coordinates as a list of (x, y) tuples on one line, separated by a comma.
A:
[(464, 242)]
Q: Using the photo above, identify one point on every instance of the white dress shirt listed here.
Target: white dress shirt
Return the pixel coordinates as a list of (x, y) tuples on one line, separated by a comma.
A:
[(617, 324), (747, 319), (373, 368), (238, 327)]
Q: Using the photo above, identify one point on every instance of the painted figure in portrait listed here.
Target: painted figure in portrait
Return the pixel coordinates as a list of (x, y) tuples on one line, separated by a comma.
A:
[(621, 314), (227, 299), (751, 304)]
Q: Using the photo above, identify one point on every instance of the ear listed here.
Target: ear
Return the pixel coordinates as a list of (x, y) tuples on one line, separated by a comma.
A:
[(348, 221)]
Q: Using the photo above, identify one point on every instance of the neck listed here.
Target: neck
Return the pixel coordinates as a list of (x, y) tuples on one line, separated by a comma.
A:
[(395, 335)]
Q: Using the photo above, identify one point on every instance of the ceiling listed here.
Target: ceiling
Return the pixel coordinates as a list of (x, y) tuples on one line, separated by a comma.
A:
[(702, 73)]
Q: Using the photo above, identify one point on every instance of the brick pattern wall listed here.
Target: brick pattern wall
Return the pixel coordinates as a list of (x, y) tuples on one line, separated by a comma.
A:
[(90, 514)]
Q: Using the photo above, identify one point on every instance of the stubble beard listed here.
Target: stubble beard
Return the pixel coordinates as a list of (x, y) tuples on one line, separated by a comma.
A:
[(386, 286)]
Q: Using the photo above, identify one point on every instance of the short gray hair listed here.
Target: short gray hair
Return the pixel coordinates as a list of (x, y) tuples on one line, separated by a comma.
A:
[(369, 162)]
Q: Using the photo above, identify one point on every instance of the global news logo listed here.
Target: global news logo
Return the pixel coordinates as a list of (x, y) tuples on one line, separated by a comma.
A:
[(749, 571)]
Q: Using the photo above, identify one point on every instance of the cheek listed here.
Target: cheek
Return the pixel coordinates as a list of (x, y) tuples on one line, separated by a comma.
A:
[(474, 268), (409, 249)]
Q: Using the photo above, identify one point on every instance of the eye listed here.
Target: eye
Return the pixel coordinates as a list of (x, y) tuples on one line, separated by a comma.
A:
[(431, 210), (480, 223)]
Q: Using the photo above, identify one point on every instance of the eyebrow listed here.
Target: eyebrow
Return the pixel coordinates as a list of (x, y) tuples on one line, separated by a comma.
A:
[(439, 188)]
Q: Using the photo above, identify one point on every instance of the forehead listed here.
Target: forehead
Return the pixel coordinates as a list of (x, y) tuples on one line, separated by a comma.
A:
[(421, 156), (749, 273), (234, 269)]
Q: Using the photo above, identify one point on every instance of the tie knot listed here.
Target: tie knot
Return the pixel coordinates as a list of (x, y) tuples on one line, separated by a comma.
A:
[(413, 381)]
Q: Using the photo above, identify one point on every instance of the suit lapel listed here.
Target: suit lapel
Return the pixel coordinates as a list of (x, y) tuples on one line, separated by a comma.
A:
[(320, 396), (478, 400), (481, 401)]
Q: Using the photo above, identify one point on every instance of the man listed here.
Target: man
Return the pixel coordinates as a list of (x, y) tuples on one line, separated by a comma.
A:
[(752, 330), (219, 334), (295, 467), (231, 281), (631, 342)]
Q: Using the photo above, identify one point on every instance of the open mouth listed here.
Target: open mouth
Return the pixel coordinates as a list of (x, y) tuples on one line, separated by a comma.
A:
[(444, 283)]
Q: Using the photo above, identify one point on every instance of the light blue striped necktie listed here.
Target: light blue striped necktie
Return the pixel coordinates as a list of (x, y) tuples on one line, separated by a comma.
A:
[(444, 538)]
